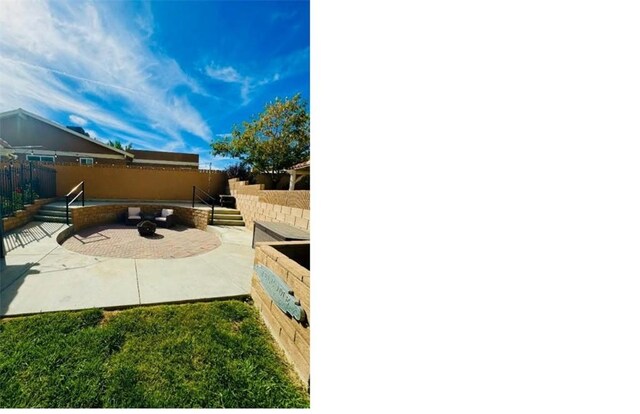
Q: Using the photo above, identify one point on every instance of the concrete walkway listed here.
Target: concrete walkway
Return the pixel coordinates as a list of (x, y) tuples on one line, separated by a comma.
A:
[(39, 275)]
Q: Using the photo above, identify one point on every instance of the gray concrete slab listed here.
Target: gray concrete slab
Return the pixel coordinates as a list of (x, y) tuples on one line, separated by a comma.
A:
[(53, 286), (33, 238), (233, 234), (176, 280), (39, 275)]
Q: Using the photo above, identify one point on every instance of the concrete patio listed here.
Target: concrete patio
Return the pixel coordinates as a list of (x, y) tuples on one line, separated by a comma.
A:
[(39, 275)]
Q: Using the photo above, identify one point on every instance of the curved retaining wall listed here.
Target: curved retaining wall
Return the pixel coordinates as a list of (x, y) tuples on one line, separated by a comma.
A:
[(90, 216), (64, 235)]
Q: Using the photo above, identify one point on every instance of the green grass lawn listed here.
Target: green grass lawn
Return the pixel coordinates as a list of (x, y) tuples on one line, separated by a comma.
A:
[(216, 354)]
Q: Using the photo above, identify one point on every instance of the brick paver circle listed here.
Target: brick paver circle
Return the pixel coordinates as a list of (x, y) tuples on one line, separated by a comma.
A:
[(117, 240)]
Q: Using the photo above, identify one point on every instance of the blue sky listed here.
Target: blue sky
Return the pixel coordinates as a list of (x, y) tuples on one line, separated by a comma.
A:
[(161, 75)]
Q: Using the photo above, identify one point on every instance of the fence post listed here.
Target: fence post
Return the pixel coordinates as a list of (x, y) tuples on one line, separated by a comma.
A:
[(31, 182), (21, 185), (193, 197), (1, 230), (13, 200), (83, 194)]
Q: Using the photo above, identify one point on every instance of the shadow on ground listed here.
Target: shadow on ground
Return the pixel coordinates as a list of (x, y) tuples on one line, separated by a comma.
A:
[(11, 278), (30, 233)]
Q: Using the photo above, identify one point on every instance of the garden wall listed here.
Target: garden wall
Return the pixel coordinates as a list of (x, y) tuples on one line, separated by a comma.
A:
[(22, 217), (292, 336), (256, 204), (136, 183)]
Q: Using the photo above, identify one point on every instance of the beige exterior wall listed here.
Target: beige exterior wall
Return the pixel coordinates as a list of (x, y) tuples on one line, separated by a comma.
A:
[(121, 182), (256, 204), (293, 337)]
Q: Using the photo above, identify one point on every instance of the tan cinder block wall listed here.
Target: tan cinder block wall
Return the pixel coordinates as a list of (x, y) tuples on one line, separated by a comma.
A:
[(121, 182), (84, 217), (297, 198), (256, 204), (22, 217), (292, 336)]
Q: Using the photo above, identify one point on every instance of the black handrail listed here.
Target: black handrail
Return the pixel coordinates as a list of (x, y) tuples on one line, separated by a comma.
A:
[(193, 199), (81, 193)]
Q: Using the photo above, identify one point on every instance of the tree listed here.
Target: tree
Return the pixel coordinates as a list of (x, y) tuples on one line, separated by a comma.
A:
[(273, 141), (239, 171), (118, 145)]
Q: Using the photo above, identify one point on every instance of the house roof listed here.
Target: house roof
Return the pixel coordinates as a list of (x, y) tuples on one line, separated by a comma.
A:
[(21, 111), (165, 156)]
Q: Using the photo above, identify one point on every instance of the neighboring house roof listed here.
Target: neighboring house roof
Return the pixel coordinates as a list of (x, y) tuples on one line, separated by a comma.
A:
[(21, 111), (164, 156)]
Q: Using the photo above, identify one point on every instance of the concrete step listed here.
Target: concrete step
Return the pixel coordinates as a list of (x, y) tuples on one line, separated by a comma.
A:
[(227, 217), (228, 223), (51, 219), (55, 208), (51, 212), (227, 212)]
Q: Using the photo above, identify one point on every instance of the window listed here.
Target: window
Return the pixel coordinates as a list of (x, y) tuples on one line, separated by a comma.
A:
[(86, 161), (43, 158)]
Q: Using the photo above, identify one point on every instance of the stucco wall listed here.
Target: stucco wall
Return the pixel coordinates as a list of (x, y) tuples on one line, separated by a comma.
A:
[(119, 182)]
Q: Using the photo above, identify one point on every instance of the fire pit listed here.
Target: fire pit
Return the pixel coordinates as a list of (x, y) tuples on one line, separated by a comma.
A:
[(146, 228)]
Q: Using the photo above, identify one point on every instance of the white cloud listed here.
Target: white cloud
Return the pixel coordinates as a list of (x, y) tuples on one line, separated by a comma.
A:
[(280, 68), (89, 47), (216, 162), (226, 74), (78, 120)]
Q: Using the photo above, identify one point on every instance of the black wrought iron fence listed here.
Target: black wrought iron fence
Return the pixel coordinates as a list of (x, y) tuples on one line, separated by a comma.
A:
[(22, 184)]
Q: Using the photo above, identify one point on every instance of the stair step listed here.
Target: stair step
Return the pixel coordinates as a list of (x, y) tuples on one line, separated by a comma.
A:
[(49, 212), (227, 217), (228, 223), (227, 212), (54, 208), (51, 219)]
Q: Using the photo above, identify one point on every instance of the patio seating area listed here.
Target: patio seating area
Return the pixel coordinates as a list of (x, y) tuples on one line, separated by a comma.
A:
[(164, 217)]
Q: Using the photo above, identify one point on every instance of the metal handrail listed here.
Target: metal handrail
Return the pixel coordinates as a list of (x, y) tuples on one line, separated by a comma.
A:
[(193, 199), (76, 197), (81, 193), (81, 183)]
